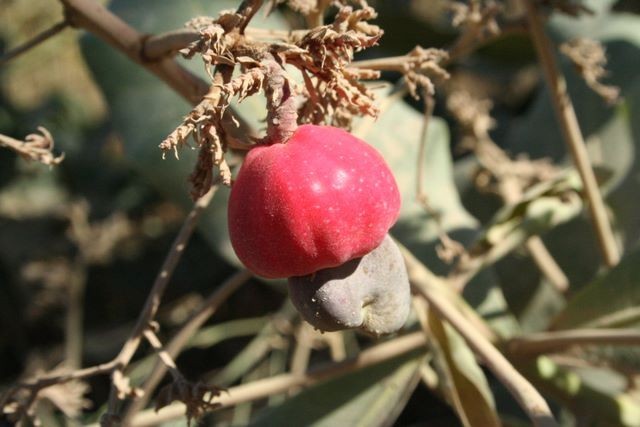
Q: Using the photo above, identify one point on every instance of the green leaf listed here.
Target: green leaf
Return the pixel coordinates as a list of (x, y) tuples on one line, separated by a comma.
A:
[(468, 388), (541, 208), (610, 300), (595, 394), (372, 396)]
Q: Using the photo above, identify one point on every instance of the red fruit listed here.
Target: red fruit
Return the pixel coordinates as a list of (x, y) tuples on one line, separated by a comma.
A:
[(321, 199)]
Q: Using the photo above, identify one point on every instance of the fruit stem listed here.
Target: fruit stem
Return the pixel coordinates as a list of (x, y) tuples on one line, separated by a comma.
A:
[(282, 115)]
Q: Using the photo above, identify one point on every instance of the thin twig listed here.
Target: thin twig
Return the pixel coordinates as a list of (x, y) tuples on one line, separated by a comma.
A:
[(302, 351), (336, 344), (511, 192), (180, 339), (448, 248), (422, 147), (164, 357), (456, 52), (166, 44), (572, 134), (40, 38), (527, 396), (547, 264), (281, 383), (547, 342), (155, 295), (98, 20), (75, 315), (562, 192)]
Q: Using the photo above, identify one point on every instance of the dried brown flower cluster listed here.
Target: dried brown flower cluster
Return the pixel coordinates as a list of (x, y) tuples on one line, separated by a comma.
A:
[(473, 117), (37, 147), (478, 14), (331, 91), (589, 58), (422, 67)]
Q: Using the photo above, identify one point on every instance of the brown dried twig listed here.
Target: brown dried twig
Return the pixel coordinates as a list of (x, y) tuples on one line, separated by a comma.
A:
[(98, 20), (36, 147), (38, 39), (478, 21), (572, 134), (531, 345), (191, 394), (155, 295), (173, 348), (333, 91), (281, 383), (527, 396)]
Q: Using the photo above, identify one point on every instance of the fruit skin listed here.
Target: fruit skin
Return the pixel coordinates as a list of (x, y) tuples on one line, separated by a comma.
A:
[(371, 293), (321, 199)]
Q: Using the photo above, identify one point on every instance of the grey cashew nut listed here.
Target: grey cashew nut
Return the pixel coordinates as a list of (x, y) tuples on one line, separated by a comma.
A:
[(371, 293)]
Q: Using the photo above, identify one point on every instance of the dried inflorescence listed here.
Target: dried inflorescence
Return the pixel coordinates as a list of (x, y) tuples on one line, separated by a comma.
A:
[(331, 91), (334, 93), (497, 167), (38, 147), (423, 66), (472, 115), (589, 58), (476, 13), (217, 37)]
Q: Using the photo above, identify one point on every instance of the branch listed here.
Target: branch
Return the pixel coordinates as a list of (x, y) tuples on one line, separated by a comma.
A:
[(167, 44), (571, 131), (153, 300), (98, 20), (282, 383), (542, 207), (511, 192), (527, 396), (40, 38), (548, 342), (177, 343), (163, 355)]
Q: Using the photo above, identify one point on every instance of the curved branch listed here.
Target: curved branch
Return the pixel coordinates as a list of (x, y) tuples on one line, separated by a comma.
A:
[(570, 128), (166, 44), (281, 383), (547, 342), (527, 396)]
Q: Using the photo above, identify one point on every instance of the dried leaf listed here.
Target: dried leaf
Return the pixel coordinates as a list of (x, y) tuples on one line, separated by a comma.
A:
[(589, 58), (68, 397), (197, 397)]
